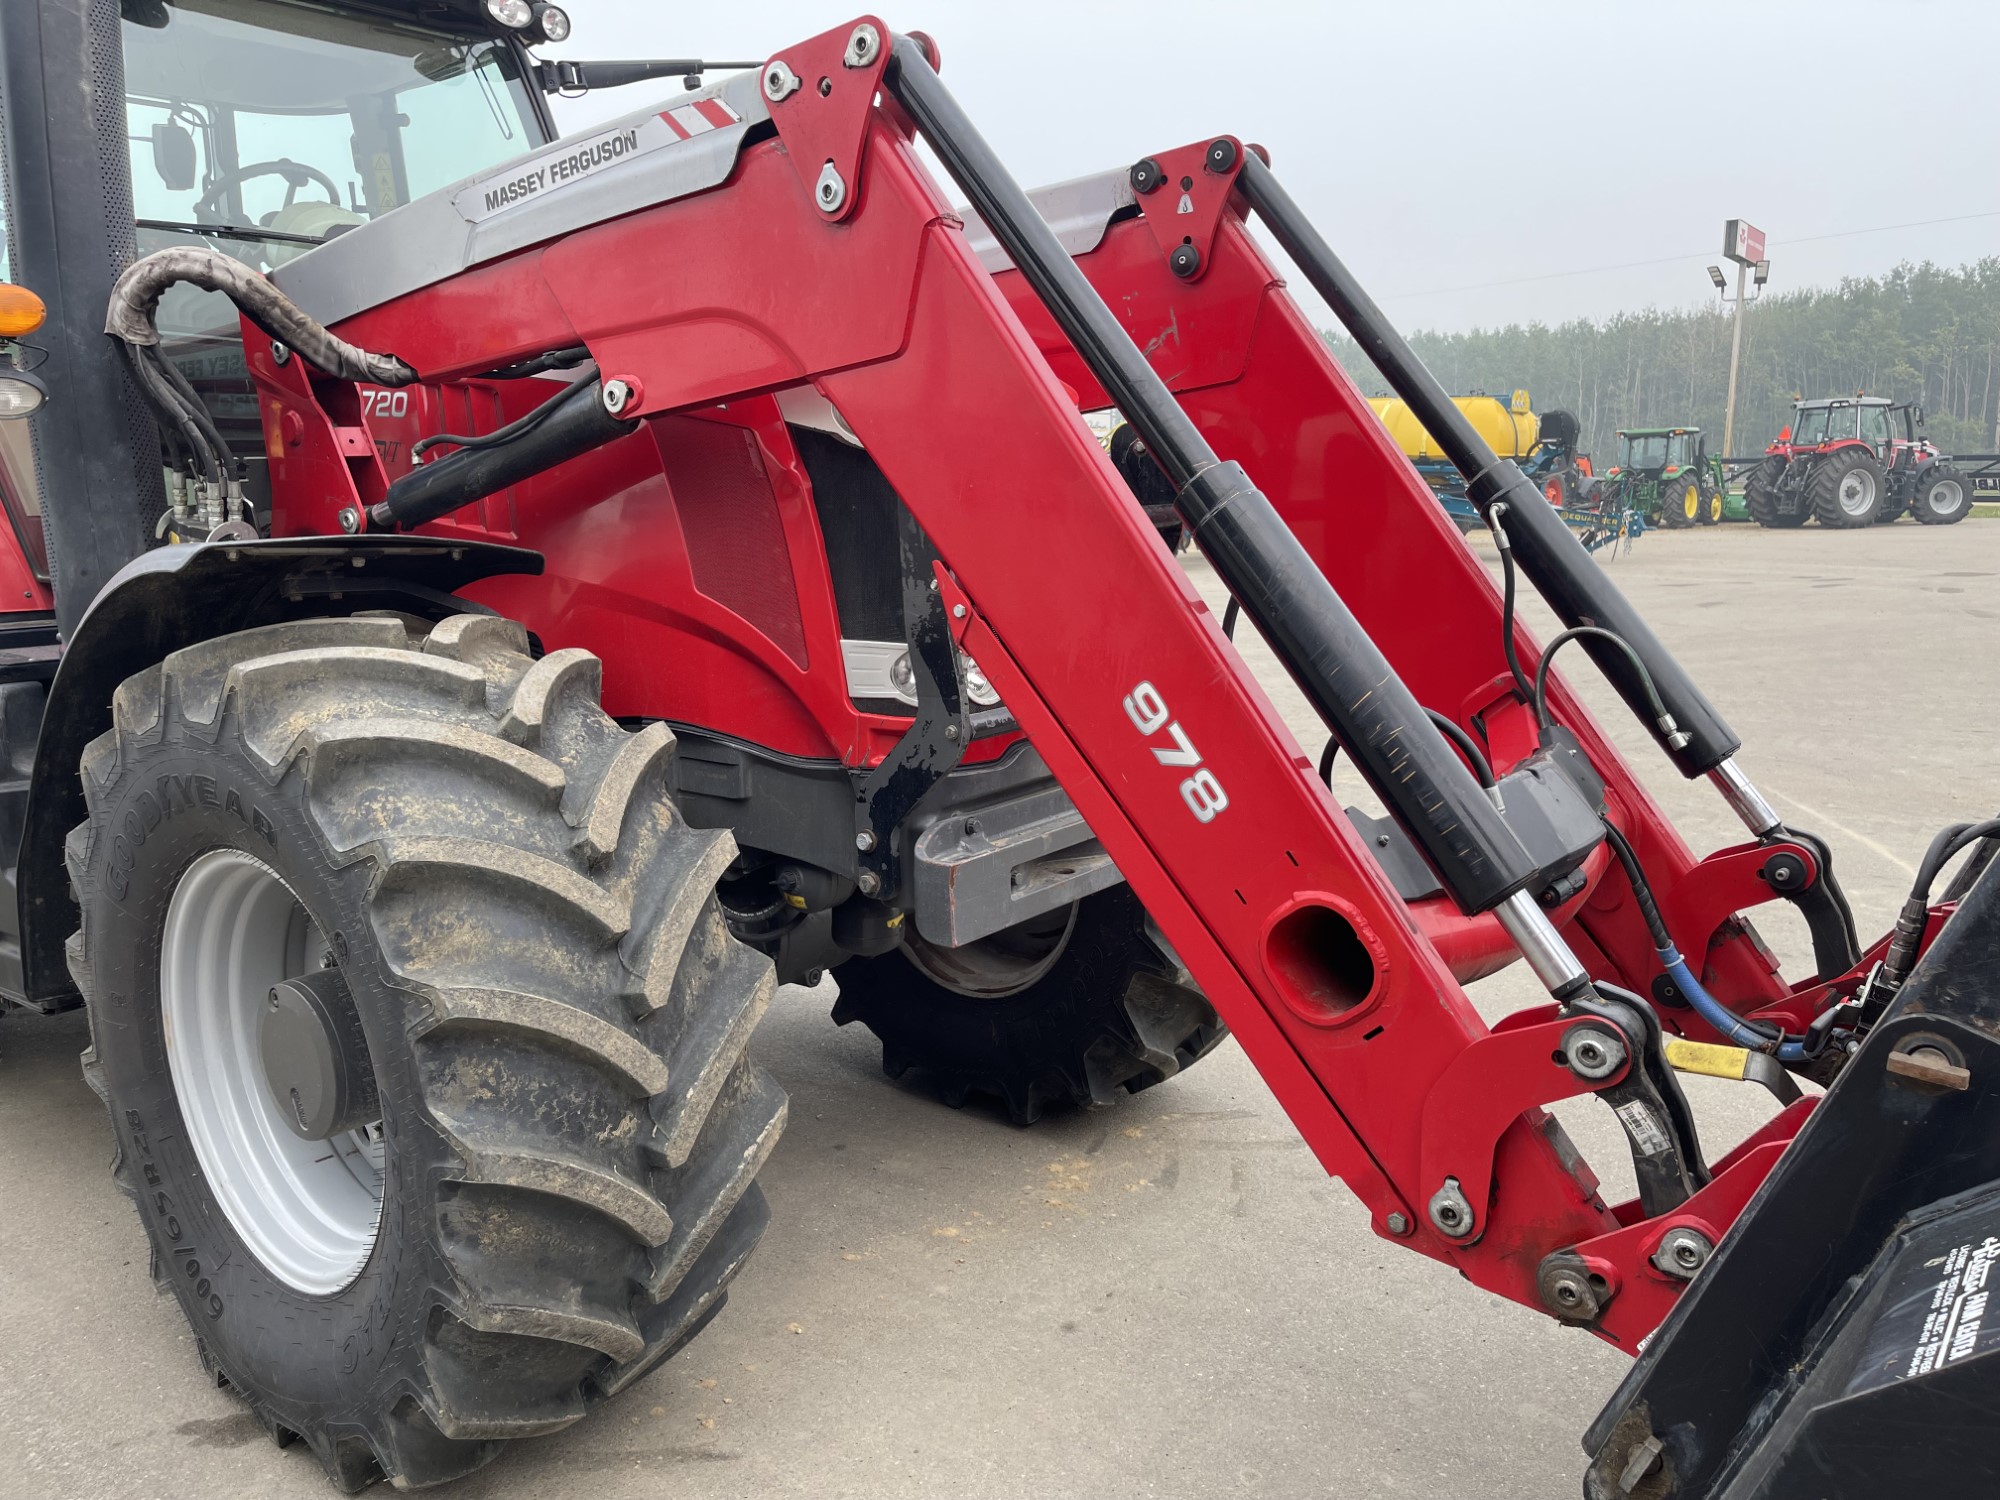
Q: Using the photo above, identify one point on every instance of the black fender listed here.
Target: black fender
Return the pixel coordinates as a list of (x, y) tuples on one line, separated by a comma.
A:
[(173, 597)]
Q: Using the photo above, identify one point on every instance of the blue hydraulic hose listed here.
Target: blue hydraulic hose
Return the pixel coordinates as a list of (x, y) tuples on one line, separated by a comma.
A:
[(1718, 1015)]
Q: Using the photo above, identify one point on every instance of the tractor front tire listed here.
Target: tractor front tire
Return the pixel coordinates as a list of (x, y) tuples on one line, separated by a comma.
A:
[(1943, 497), (1848, 489), (1680, 504), (1711, 508), (1760, 498), (1067, 1010), (500, 1163)]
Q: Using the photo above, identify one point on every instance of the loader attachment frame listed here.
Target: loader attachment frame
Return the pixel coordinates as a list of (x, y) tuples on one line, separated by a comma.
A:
[(1345, 993)]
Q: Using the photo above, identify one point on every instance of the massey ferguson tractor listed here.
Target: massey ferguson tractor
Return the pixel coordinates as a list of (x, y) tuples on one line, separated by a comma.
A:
[(486, 609), (1840, 462)]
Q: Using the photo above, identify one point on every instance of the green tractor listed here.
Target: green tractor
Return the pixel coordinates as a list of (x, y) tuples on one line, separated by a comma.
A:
[(1667, 476)]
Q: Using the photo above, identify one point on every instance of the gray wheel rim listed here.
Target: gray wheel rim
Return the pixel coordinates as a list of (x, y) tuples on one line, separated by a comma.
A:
[(308, 1210), (1947, 495), (1857, 492), (995, 967)]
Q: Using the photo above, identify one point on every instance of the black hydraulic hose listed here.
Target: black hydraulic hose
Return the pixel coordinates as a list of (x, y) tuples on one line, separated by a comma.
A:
[(575, 423), (198, 409), (1908, 935), (519, 427), (1477, 856), (1326, 759), (1642, 889), (159, 391), (135, 299), (1574, 586), (1468, 747), (1581, 632), (1507, 645), (555, 359)]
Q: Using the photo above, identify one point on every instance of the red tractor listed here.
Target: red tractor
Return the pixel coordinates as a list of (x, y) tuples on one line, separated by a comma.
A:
[(517, 601), (1840, 461)]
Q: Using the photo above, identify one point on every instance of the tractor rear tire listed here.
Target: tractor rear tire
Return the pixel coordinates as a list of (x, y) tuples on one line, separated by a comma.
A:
[(523, 977), (1848, 489), (1066, 1011), (1943, 497), (1680, 504), (1760, 498)]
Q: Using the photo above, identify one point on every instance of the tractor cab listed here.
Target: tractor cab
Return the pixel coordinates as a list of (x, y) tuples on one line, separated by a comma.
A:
[(254, 128), (1825, 424), (262, 128)]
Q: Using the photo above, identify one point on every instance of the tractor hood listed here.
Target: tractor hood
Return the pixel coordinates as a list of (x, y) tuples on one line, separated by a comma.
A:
[(652, 156)]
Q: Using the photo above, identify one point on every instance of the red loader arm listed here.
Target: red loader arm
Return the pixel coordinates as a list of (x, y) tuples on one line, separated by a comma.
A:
[(829, 259)]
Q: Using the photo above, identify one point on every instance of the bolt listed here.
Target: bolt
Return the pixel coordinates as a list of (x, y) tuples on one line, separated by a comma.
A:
[(779, 81), (862, 45), (971, 826), (280, 354), (1682, 1252), (350, 519), (864, 841), (617, 396), (1642, 1461), (1399, 1224), (1593, 1053), (951, 731), (1450, 1213), (831, 190), (958, 611), (868, 882)]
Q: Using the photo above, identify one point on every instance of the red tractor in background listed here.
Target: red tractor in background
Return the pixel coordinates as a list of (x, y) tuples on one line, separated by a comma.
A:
[(1841, 462), (520, 602)]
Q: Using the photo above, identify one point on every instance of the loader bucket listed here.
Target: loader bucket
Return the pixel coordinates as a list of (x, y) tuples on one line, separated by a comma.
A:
[(1839, 1344)]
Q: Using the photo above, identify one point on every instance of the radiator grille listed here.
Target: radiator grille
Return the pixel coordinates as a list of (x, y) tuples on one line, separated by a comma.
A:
[(735, 539)]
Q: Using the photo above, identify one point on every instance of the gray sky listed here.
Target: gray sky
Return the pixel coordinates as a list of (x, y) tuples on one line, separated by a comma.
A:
[(1443, 147)]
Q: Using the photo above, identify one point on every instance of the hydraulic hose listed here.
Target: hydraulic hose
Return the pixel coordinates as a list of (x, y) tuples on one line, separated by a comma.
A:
[(567, 426), (1719, 1016), (135, 300)]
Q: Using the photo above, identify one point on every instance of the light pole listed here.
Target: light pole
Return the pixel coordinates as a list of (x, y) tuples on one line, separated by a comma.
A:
[(1744, 244)]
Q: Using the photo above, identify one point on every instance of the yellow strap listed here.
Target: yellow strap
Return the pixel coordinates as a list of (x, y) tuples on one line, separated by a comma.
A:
[(1706, 1057)]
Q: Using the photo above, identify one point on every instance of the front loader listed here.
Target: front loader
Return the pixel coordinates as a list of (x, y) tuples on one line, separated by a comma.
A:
[(657, 565)]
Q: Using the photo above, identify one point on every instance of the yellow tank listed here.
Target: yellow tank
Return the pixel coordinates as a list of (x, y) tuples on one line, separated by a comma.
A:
[(1508, 426)]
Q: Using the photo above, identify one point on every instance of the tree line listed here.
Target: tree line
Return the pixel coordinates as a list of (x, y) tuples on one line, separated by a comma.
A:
[(1923, 333)]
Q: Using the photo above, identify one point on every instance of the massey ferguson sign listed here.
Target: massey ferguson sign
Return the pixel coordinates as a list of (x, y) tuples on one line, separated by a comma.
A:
[(1742, 242)]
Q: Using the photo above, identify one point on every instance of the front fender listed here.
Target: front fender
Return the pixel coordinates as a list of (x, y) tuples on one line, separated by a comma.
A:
[(173, 597)]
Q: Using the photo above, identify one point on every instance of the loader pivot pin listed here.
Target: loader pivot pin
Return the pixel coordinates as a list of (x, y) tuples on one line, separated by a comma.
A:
[(1147, 176)]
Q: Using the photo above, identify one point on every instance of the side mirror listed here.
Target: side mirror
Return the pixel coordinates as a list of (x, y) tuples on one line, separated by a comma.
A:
[(174, 156)]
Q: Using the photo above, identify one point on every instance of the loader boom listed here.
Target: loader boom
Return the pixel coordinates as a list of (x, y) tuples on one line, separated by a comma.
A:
[(1343, 993)]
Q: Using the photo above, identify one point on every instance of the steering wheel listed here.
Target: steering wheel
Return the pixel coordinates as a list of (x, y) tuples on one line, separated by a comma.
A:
[(208, 207)]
